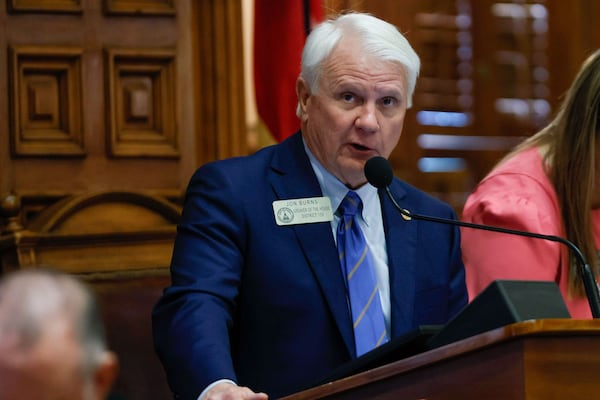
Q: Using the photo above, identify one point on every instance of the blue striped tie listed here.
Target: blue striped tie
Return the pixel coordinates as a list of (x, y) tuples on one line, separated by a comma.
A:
[(363, 291)]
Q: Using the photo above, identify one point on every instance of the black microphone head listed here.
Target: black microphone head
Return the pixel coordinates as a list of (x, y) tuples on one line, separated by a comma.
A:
[(379, 172)]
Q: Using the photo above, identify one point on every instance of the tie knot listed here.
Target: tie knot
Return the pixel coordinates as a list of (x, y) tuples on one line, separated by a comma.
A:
[(351, 204)]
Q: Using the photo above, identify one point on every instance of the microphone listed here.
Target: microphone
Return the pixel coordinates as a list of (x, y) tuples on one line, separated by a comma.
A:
[(379, 173)]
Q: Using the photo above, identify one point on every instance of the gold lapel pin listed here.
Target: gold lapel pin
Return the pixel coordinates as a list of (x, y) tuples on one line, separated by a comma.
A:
[(406, 217)]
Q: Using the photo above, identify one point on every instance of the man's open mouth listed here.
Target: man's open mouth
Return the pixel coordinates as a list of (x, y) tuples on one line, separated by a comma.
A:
[(360, 147)]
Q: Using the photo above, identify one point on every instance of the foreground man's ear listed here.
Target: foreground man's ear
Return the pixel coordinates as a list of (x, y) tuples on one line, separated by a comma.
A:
[(105, 375)]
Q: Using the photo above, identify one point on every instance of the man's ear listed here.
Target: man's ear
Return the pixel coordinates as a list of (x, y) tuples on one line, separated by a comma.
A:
[(303, 93), (105, 375)]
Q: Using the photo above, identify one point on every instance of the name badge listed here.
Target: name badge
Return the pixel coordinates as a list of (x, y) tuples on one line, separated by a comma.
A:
[(302, 211)]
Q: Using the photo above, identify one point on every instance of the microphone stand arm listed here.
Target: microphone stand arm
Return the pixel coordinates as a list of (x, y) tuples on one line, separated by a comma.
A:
[(591, 288)]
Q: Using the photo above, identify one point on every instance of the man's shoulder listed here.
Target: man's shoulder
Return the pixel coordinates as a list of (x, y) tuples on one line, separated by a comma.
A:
[(251, 164), (260, 159)]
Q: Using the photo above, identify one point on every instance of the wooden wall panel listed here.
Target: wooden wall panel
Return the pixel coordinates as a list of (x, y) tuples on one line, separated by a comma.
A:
[(47, 176), (54, 6), (97, 232), (46, 101), (573, 35), (141, 103), (219, 54), (202, 109), (140, 7), (127, 303)]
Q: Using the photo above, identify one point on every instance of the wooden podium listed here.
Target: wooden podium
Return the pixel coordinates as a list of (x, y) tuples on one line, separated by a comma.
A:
[(536, 359)]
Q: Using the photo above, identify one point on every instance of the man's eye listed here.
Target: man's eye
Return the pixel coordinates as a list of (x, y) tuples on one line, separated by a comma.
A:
[(388, 101), (348, 97)]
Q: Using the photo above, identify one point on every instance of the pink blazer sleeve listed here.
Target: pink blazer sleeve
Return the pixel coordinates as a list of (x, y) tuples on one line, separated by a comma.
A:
[(514, 201)]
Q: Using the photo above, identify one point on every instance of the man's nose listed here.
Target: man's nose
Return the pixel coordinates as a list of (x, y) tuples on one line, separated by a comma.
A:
[(367, 118)]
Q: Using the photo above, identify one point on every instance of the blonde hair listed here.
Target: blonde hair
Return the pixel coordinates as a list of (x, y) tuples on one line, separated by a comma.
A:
[(571, 156)]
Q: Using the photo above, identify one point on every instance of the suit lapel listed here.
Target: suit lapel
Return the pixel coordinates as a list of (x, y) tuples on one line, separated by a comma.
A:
[(401, 240), (292, 177)]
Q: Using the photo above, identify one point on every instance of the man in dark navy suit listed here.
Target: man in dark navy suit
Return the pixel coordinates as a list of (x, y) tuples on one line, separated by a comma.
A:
[(259, 306)]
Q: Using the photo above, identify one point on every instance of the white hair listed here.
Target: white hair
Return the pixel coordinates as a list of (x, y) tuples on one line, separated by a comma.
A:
[(376, 37)]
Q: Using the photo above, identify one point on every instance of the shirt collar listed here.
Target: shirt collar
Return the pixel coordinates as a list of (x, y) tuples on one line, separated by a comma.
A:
[(333, 188)]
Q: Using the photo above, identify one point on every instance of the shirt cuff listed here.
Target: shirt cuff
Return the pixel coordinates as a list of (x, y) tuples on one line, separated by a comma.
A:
[(214, 384)]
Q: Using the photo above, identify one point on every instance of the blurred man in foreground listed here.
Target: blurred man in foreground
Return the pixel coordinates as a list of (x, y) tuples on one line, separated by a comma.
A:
[(52, 344)]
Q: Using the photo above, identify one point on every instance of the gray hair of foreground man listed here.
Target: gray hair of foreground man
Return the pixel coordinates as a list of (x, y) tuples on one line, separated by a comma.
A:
[(52, 342)]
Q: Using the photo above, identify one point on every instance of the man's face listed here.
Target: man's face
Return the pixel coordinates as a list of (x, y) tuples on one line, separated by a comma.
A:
[(357, 112)]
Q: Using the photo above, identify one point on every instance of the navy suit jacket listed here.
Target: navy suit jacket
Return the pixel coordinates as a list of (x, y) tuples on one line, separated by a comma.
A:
[(265, 305)]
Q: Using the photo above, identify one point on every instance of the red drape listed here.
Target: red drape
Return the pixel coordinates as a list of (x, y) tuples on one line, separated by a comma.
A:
[(279, 34)]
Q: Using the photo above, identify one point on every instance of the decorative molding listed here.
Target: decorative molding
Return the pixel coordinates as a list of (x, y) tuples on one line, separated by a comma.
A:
[(10, 213), (45, 6), (221, 100), (140, 7), (99, 232), (106, 212), (46, 101), (141, 103)]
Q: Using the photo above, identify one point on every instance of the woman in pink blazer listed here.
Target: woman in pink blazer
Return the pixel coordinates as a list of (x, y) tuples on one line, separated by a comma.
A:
[(549, 184)]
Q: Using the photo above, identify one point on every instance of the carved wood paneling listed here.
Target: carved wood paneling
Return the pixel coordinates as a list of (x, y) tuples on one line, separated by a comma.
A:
[(220, 91), (126, 304), (96, 232), (46, 101), (49, 6), (119, 242), (573, 35), (140, 7), (141, 103)]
